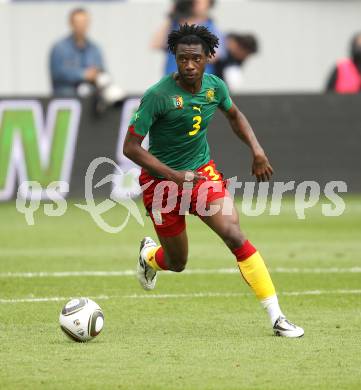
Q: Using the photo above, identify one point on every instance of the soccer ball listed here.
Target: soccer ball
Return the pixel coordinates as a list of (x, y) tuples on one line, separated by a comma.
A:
[(81, 319)]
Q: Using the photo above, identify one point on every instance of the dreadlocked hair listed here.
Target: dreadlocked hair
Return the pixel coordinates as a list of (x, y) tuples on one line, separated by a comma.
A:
[(193, 35)]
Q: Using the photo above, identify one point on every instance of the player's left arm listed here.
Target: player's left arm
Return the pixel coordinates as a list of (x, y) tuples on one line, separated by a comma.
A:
[(261, 167)]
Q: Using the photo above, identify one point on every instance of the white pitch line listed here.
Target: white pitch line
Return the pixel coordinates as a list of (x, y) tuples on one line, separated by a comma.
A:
[(53, 252), (65, 274), (33, 300), (179, 296), (216, 271), (231, 294), (187, 295), (331, 270)]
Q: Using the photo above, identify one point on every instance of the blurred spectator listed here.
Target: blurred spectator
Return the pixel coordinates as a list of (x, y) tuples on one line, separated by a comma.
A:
[(346, 76), (75, 61), (191, 12), (239, 47)]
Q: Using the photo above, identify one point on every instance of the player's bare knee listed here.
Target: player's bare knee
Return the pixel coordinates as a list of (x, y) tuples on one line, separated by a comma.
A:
[(233, 237)]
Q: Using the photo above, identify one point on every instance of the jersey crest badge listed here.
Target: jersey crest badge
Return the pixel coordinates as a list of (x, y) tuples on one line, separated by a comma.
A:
[(210, 95), (178, 102)]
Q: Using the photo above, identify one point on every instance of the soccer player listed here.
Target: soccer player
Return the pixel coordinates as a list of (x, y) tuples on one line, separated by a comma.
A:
[(176, 112)]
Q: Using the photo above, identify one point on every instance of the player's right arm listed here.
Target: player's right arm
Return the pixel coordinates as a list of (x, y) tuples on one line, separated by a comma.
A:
[(149, 110), (134, 151)]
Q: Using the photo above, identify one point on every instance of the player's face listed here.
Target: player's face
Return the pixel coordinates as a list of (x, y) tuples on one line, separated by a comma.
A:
[(191, 62)]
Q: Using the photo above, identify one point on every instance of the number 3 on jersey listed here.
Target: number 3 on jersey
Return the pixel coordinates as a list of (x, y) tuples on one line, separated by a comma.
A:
[(197, 120)]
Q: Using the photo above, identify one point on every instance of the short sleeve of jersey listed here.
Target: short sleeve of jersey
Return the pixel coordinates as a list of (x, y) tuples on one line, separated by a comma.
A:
[(225, 101), (147, 113)]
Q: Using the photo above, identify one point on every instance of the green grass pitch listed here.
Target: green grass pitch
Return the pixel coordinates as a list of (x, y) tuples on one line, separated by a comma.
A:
[(203, 330)]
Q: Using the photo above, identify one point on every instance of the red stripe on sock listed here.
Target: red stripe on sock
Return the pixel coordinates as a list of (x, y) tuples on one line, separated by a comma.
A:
[(160, 258), (245, 251)]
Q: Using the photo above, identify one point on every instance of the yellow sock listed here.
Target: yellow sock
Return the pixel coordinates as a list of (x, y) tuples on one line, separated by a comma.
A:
[(155, 258), (255, 272)]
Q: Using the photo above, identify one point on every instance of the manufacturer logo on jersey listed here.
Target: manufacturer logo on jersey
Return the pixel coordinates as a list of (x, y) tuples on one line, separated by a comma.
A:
[(178, 102), (210, 95)]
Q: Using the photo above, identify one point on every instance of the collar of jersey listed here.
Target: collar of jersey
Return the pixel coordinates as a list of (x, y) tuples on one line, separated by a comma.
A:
[(184, 90)]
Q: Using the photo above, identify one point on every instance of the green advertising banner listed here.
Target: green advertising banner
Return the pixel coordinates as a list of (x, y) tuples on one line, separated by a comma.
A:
[(36, 146)]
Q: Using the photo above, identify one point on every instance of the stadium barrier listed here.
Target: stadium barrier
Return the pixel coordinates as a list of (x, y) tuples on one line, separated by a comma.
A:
[(307, 137)]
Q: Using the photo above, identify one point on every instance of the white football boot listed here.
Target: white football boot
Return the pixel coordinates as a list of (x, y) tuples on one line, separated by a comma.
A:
[(284, 328), (146, 275)]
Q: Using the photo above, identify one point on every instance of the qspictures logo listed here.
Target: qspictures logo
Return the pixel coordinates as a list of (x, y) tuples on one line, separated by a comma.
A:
[(306, 195)]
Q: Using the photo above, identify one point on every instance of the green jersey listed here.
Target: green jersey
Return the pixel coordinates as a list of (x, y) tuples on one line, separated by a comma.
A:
[(177, 120)]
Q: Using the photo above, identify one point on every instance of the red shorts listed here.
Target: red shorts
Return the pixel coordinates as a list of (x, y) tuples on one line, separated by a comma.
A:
[(167, 203)]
